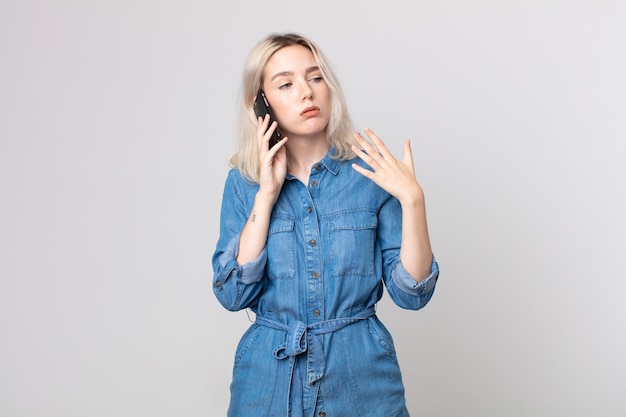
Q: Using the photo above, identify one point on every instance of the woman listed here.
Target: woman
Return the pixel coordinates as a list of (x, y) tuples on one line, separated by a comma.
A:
[(310, 230)]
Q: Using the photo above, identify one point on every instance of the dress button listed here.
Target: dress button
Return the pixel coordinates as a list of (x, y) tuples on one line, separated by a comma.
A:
[(309, 209), (316, 312), (313, 242), (317, 166), (322, 414), (218, 283), (315, 275), (313, 183)]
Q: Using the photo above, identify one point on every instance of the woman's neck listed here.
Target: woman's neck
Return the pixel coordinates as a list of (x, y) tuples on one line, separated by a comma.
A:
[(302, 154)]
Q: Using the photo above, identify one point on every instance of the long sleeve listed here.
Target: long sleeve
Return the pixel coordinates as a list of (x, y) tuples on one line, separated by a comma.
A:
[(235, 286), (403, 289)]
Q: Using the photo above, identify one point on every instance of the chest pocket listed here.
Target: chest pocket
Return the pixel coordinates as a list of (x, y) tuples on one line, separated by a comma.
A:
[(281, 241), (352, 242)]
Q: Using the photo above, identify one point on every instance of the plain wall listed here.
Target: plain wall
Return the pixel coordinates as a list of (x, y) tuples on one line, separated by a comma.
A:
[(116, 122)]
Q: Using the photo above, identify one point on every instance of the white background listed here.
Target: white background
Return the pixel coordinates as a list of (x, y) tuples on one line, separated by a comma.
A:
[(116, 121)]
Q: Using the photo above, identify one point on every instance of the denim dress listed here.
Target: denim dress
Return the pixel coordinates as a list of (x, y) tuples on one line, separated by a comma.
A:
[(317, 347)]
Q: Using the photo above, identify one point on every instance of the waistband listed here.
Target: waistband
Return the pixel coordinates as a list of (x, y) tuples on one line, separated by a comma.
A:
[(301, 338)]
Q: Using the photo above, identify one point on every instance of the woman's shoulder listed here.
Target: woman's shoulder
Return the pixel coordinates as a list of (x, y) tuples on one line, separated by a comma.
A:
[(237, 183), (236, 176)]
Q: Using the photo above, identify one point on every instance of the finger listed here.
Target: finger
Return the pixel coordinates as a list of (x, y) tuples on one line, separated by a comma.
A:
[(364, 156), (365, 145), (380, 145), (408, 154), (276, 148), (378, 151), (262, 124), (365, 172), (270, 130), (264, 132), (367, 152)]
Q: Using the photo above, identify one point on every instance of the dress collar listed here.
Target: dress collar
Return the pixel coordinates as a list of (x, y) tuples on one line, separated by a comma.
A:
[(332, 164)]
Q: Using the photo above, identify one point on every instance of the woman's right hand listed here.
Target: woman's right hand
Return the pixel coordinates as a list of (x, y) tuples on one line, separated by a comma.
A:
[(273, 168), (272, 161)]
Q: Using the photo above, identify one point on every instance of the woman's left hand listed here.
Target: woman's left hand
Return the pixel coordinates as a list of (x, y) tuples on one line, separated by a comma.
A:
[(395, 177)]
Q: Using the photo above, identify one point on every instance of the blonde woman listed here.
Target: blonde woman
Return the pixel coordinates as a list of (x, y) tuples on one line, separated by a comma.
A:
[(311, 229)]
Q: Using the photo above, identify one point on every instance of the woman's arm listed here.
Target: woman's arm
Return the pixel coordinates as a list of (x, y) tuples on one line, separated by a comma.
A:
[(236, 286), (398, 179), (273, 168), (254, 234)]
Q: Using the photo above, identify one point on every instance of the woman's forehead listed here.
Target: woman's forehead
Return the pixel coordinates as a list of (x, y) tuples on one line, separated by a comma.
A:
[(293, 59)]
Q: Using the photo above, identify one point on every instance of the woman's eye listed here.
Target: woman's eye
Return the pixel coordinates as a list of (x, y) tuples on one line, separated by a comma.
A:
[(317, 79), (285, 85)]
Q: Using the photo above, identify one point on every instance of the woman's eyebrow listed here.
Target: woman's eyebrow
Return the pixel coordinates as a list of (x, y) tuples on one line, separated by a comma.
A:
[(289, 73), (282, 74)]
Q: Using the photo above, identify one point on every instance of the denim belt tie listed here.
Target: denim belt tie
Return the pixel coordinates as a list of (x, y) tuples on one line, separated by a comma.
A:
[(303, 338)]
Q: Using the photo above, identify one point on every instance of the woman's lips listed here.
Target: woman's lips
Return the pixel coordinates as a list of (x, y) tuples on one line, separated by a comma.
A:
[(310, 112)]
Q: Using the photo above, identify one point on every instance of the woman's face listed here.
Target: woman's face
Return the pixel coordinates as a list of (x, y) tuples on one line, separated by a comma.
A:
[(297, 92)]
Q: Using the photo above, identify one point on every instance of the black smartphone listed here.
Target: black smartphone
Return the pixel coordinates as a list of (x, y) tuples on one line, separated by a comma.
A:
[(261, 108)]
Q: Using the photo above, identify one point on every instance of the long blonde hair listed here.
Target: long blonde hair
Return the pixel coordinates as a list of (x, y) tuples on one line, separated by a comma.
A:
[(340, 128)]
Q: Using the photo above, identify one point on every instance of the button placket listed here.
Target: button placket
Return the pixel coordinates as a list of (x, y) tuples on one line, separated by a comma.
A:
[(311, 231)]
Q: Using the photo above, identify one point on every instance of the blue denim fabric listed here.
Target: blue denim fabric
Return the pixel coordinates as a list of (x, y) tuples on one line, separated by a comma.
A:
[(317, 344)]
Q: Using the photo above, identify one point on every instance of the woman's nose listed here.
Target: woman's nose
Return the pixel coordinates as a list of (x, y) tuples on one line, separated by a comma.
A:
[(307, 92)]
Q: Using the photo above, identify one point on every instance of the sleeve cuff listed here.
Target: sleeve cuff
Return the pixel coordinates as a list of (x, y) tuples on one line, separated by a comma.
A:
[(250, 272), (405, 282)]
